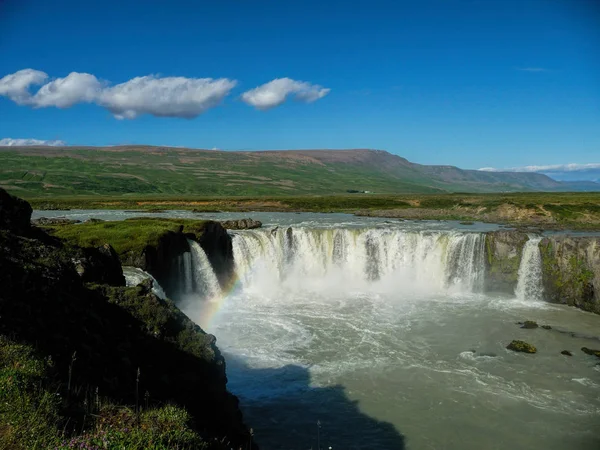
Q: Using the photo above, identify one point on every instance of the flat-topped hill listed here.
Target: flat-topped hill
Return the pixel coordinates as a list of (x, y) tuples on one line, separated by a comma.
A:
[(60, 171)]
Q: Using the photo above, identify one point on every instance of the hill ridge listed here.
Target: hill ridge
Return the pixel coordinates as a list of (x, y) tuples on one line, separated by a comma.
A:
[(145, 169)]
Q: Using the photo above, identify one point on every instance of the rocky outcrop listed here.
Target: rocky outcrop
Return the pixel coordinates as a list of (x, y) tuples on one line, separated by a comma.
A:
[(241, 224), (503, 252), (99, 265), (521, 346), (126, 340), (571, 270), (15, 213)]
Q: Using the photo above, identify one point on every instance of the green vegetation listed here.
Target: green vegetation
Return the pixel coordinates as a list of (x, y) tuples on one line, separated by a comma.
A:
[(159, 171), (567, 277), (34, 414), (127, 237)]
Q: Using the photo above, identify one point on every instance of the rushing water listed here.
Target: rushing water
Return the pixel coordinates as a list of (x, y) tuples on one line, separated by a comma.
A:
[(529, 285), (134, 276), (366, 334), (384, 337)]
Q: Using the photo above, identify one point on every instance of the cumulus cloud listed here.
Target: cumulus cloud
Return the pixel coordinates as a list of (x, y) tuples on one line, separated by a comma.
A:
[(164, 97), (10, 142), (275, 92), (68, 91), (16, 86), (160, 97)]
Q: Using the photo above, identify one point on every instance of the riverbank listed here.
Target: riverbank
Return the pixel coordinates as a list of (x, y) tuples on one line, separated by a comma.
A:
[(552, 211)]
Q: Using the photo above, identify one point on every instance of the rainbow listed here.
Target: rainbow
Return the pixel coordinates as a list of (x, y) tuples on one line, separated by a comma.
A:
[(212, 306)]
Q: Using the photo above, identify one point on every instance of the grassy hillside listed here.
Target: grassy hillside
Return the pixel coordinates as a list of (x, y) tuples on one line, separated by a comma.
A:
[(51, 171)]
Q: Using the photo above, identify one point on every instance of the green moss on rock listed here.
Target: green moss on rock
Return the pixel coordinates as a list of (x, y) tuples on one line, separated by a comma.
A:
[(503, 251), (130, 237), (521, 346), (567, 275), (591, 352)]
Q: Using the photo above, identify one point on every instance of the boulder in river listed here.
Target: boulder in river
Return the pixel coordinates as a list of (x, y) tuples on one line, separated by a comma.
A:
[(591, 352), (546, 327), (566, 353), (529, 324), (521, 346)]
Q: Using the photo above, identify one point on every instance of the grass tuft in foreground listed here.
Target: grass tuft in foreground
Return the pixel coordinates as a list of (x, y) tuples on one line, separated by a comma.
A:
[(34, 413)]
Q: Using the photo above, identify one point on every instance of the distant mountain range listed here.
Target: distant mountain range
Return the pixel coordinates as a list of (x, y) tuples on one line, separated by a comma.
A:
[(42, 171)]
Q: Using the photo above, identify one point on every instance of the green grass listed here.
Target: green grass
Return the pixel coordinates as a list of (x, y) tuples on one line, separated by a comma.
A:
[(127, 236), (177, 171), (34, 415)]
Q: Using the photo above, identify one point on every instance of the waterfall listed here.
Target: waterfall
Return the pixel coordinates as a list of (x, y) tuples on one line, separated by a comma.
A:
[(389, 259), (205, 280), (134, 276), (529, 285)]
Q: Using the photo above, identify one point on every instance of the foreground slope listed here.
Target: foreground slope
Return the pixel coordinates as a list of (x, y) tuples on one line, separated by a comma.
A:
[(51, 171)]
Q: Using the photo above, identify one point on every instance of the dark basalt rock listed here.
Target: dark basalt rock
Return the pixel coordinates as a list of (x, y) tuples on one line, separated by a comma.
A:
[(591, 352), (521, 346), (566, 353), (15, 213), (241, 224), (99, 265)]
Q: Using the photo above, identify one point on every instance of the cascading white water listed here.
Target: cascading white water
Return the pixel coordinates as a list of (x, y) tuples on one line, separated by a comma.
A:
[(384, 258), (205, 280), (134, 276), (196, 275), (529, 285)]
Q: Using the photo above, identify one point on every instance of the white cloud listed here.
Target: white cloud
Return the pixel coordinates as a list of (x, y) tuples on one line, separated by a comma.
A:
[(68, 91), (16, 85), (548, 168), (10, 142), (164, 97), (160, 97), (275, 92)]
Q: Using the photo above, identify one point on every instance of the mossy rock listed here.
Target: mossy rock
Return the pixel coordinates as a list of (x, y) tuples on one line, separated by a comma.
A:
[(546, 327), (529, 324), (591, 352), (521, 346)]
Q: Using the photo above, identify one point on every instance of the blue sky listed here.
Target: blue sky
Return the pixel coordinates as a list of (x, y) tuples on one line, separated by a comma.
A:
[(494, 83)]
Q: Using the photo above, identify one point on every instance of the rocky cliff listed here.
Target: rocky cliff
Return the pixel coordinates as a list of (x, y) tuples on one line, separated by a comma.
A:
[(121, 343), (571, 270), (570, 266), (503, 251)]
